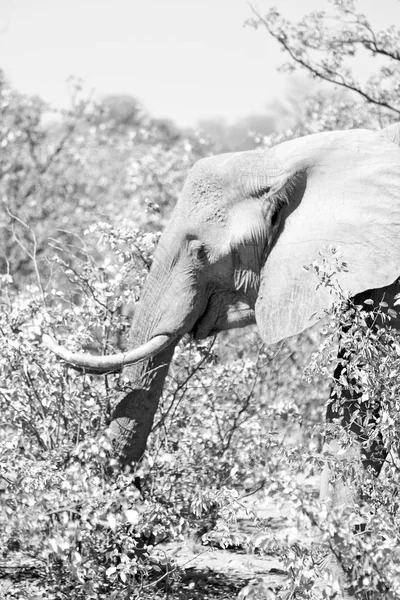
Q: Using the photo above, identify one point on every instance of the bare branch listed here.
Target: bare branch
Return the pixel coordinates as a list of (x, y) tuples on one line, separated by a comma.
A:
[(33, 254), (324, 73)]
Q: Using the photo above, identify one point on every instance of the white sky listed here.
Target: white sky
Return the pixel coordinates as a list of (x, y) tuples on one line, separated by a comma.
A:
[(184, 59)]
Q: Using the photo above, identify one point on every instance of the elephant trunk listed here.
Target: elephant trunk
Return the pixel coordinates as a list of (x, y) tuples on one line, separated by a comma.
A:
[(146, 367), (133, 415), (136, 406), (169, 307)]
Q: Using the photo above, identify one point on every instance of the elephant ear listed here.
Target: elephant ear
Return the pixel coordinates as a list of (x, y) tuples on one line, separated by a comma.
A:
[(350, 199)]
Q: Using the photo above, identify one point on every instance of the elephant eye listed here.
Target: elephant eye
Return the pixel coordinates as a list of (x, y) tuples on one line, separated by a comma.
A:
[(261, 192), (198, 251), (274, 217)]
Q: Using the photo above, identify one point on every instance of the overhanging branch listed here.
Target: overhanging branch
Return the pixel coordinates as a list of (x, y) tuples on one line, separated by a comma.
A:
[(323, 73)]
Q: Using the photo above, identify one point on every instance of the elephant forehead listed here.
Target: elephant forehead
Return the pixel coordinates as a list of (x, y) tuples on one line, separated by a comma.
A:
[(205, 195), (216, 183)]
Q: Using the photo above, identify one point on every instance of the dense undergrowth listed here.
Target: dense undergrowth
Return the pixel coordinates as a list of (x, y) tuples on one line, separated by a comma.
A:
[(228, 425), (235, 418)]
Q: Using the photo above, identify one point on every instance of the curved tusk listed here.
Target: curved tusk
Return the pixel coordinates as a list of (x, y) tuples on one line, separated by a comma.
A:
[(112, 362)]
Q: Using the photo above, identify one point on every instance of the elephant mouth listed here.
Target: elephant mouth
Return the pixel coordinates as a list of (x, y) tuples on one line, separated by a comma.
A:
[(200, 333), (221, 316), (204, 327)]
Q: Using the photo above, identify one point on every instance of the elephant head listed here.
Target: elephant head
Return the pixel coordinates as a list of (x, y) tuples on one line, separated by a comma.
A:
[(234, 250)]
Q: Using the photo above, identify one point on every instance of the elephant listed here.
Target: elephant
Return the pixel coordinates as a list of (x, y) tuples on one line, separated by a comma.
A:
[(234, 250), (233, 254)]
